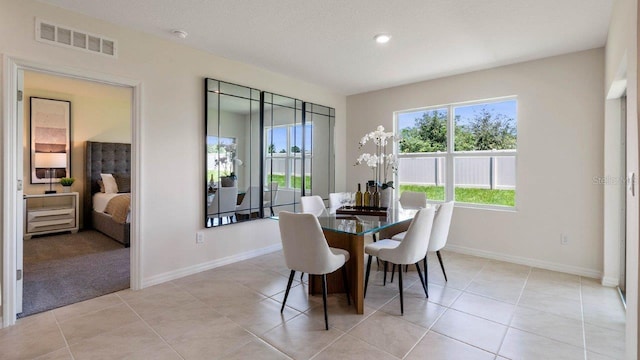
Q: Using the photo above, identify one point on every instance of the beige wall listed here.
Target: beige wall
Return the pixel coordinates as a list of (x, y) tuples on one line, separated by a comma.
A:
[(172, 131), (560, 124), (98, 113)]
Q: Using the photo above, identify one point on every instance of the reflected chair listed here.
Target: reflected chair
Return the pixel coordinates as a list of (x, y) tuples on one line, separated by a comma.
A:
[(250, 204), (409, 251), (413, 200), (269, 197), (439, 235), (336, 200), (305, 249), (313, 205), (223, 205)]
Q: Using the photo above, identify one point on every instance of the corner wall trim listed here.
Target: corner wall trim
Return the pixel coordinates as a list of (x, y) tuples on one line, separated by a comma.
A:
[(575, 270), (190, 270), (610, 281)]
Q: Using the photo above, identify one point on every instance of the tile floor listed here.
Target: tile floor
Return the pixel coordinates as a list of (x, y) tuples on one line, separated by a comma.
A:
[(487, 310)]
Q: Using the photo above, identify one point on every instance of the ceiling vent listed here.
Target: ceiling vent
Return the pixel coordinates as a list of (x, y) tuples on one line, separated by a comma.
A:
[(65, 36)]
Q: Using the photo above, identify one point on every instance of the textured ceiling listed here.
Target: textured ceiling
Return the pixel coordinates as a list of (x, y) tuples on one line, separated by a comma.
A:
[(330, 42)]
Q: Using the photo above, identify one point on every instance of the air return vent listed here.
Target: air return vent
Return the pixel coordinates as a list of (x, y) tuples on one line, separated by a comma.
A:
[(65, 36)]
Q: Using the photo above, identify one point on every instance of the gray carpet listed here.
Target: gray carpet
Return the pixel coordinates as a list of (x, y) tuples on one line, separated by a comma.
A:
[(64, 269)]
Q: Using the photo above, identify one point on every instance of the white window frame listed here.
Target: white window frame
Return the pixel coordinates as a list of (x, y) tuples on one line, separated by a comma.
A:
[(450, 155), (289, 157)]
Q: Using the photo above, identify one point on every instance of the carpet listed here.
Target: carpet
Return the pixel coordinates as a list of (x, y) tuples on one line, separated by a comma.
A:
[(86, 265)]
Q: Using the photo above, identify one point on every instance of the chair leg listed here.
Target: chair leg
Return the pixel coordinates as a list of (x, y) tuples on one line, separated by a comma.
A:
[(441, 265), (393, 271), (301, 275), (366, 276), (286, 293), (424, 287), (384, 278), (324, 300), (426, 275), (400, 288), (346, 283)]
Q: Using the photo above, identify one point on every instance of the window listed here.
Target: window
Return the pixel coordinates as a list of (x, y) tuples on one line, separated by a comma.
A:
[(462, 152), (284, 155)]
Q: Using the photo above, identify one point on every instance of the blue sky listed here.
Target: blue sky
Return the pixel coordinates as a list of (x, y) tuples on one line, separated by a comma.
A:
[(466, 112), (279, 134)]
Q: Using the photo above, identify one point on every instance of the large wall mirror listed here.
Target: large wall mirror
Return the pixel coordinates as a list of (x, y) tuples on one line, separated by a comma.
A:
[(263, 152), (233, 131)]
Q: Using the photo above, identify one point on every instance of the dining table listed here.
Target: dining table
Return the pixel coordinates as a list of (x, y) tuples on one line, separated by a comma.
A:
[(346, 230)]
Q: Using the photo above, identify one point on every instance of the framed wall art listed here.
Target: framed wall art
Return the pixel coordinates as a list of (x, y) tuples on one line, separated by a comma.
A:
[(50, 140)]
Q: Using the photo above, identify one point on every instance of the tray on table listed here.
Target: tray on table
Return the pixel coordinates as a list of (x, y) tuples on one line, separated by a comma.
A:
[(361, 210)]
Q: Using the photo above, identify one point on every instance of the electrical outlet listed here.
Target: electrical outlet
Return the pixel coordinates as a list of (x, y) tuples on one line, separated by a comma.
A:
[(199, 237), (564, 239)]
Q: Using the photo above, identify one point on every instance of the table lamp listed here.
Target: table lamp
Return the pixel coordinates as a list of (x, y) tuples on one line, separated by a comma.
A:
[(51, 161)]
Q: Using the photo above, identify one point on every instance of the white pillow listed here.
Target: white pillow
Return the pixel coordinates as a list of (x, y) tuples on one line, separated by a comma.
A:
[(110, 185)]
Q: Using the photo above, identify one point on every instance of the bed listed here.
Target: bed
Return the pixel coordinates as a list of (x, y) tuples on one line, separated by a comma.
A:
[(105, 158)]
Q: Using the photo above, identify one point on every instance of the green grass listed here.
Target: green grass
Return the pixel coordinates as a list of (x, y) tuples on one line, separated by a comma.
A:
[(467, 195), (295, 181)]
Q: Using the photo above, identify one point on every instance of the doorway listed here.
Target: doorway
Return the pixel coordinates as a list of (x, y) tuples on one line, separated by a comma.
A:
[(61, 267), (13, 178)]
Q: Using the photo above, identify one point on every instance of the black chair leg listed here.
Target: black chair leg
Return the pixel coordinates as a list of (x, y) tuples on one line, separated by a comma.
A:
[(393, 271), (324, 300), (366, 276), (441, 265), (424, 287), (400, 288), (286, 293), (301, 275), (426, 275), (346, 283), (384, 278)]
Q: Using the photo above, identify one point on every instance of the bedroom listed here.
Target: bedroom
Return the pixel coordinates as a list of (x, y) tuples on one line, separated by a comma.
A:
[(54, 260)]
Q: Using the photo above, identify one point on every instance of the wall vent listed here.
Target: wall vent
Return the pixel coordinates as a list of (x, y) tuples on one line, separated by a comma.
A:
[(68, 37)]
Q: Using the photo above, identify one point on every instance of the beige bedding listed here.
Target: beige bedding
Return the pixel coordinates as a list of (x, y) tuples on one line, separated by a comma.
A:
[(118, 208)]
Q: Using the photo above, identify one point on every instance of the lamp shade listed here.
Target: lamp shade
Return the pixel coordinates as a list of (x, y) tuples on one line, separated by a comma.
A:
[(51, 160)]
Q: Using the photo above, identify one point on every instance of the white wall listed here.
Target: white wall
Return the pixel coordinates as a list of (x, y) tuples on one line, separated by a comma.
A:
[(172, 132), (621, 56), (560, 125)]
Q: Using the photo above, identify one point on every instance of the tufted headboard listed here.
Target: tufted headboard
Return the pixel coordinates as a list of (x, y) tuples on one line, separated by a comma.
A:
[(102, 158)]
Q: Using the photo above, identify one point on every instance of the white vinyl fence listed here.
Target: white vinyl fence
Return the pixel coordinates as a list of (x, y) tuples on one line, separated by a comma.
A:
[(490, 172)]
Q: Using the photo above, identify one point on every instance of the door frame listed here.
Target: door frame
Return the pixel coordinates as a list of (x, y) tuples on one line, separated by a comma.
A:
[(10, 143)]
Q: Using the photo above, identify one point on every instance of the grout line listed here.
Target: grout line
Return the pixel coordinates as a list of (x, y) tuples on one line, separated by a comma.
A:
[(63, 337), (515, 308), (584, 334), (151, 328)]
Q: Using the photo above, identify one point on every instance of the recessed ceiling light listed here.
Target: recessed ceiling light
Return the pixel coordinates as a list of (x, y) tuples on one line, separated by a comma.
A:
[(382, 38), (180, 33)]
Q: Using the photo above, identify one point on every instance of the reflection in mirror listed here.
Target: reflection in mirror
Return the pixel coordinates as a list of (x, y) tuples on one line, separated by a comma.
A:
[(233, 130), (283, 155), (298, 152)]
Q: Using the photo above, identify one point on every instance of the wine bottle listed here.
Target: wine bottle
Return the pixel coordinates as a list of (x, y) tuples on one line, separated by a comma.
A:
[(375, 202), (359, 197), (367, 198)]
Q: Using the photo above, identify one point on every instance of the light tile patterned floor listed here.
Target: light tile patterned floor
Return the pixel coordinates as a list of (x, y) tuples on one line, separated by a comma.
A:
[(487, 310)]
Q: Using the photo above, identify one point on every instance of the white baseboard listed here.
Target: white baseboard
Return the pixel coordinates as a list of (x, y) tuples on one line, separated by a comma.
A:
[(569, 269), (194, 269), (610, 281)]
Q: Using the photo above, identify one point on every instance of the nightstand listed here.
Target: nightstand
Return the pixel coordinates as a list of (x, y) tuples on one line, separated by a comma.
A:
[(50, 213)]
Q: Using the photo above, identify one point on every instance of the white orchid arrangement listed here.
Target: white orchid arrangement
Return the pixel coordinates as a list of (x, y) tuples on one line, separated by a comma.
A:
[(382, 164)]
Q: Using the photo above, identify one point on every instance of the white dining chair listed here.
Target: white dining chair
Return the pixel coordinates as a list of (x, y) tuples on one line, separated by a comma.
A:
[(223, 205), (439, 235), (313, 204), (409, 251), (250, 204), (270, 196), (305, 249), (413, 200)]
